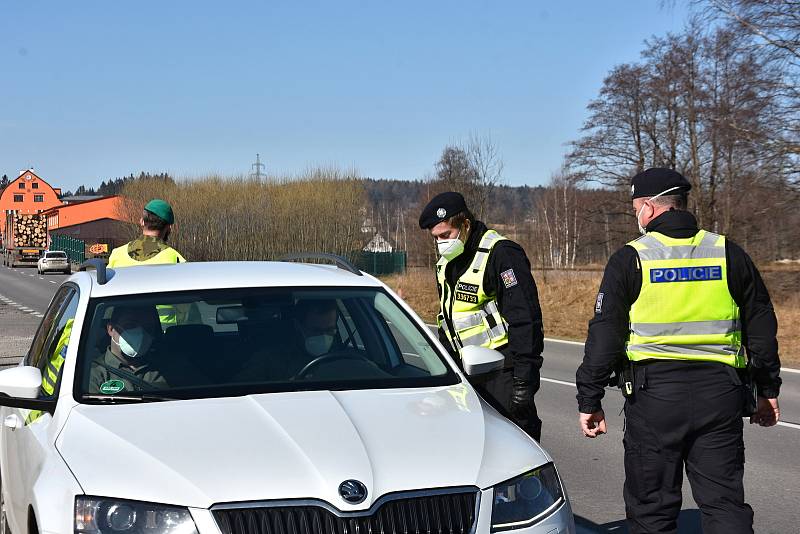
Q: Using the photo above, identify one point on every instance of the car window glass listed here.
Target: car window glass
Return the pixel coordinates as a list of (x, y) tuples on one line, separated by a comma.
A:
[(58, 342), (415, 348), (46, 326), (251, 340)]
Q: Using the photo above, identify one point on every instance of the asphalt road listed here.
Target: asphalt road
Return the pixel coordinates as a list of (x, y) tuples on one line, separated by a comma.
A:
[(592, 469)]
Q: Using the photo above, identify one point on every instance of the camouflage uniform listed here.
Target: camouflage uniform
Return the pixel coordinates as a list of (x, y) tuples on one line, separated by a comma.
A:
[(146, 247)]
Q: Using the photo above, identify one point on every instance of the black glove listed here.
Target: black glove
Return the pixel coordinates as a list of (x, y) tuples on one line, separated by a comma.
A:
[(522, 391)]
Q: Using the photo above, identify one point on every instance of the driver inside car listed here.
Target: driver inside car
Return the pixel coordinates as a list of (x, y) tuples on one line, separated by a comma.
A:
[(314, 333), (124, 366)]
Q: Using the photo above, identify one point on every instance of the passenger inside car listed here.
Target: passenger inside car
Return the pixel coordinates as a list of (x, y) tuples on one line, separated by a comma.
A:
[(126, 365)]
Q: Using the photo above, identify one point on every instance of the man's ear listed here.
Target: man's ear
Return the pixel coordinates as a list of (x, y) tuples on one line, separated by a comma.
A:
[(141, 222)]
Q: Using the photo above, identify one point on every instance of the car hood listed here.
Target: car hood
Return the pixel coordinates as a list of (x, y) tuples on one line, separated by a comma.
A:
[(293, 445)]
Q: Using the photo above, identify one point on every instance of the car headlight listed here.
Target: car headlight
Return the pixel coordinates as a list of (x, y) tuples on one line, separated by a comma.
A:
[(527, 499), (96, 515)]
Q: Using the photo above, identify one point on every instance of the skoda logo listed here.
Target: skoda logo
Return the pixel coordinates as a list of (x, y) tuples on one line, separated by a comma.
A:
[(353, 491)]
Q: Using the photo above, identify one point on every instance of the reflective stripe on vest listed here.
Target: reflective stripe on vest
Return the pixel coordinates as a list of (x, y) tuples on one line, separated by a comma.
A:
[(119, 257), (684, 310), (473, 314)]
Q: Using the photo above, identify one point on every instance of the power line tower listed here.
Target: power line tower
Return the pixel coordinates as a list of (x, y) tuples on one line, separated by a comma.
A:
[(258, 168)]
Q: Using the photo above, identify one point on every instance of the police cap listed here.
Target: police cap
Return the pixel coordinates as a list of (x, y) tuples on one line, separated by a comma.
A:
[(440, 208), (161, 209), (656, 180)]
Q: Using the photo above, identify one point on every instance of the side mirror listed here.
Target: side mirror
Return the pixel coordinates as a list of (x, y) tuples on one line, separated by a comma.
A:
[(480, 360), (21, 382), (20, 387)]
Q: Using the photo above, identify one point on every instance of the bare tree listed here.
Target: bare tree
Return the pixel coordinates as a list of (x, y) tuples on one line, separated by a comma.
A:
[(487, 165)]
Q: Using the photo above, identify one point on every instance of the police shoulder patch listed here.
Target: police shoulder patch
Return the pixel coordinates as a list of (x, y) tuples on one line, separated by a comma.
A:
[(509, 279), (598, 305)]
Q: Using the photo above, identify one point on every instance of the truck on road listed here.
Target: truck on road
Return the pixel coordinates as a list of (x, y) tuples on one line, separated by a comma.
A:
[(24, 239)]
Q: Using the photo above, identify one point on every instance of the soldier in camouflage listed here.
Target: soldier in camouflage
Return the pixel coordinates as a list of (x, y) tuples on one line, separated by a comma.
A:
[(151, 248)]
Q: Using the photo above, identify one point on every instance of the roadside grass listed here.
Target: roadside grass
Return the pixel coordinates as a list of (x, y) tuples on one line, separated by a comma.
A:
[(568, 298)]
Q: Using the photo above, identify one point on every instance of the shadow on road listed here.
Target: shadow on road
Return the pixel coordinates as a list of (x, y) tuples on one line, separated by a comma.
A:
[(688, 523)]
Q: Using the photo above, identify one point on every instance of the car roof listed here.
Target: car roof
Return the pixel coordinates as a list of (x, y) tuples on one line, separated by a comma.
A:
[(222, 275)]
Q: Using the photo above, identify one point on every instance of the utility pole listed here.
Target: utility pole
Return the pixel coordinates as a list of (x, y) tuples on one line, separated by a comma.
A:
[(258, 168)]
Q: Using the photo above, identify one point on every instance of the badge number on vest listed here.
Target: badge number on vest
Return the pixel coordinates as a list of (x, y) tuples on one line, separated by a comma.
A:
[(466, 297), (686, 274)]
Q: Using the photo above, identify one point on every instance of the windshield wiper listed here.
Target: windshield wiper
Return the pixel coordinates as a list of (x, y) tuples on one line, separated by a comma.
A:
[(144, 397)]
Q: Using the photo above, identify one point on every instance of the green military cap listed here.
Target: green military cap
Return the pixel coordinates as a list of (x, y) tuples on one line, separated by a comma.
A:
[(161, 209)]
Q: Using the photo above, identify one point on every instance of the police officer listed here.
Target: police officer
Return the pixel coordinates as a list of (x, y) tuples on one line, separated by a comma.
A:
[(488, 298), (151, 248), (681, 310)]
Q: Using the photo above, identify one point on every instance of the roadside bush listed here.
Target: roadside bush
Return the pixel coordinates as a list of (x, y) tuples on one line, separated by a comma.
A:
[(220, 218)]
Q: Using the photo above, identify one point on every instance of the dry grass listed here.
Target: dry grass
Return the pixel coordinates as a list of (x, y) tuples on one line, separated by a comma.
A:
[(567, 299)]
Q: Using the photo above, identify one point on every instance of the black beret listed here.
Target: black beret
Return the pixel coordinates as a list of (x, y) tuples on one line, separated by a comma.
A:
[(440, 208), (653, 181)]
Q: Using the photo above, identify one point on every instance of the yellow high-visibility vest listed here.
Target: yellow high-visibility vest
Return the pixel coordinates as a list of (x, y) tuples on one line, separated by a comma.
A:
[(119, 257), (685, 310), (474, 315)]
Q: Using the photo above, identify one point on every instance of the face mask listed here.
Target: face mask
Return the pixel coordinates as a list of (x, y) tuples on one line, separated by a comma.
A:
[(319, 345), (642, 230), (134, 343), (450, 248)]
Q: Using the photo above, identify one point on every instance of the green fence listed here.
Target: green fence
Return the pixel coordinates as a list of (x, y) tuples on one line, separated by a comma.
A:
[(74, 247), (380, 263)]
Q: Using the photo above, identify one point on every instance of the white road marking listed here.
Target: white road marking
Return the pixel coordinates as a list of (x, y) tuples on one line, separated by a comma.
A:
[(579, 343), (572, 384), (554, 381), (52, 281), (567, 342), (564, 341)]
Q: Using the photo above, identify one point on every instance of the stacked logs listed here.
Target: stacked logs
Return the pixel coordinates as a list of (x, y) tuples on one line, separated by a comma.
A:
[(30, 231)]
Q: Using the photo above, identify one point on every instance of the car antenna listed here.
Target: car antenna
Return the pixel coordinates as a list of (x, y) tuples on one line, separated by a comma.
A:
[(99, 266), (341, 262)]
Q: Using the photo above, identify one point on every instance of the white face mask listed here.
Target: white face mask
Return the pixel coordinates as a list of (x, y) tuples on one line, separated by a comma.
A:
[(642, 229), (134, 342), (450, 248), (319, 345)]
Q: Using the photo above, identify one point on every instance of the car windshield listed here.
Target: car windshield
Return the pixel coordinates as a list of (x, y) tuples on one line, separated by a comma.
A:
[(236, 342)]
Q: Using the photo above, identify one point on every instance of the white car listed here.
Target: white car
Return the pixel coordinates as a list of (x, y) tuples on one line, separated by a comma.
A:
[(53, 260), (256, 397)]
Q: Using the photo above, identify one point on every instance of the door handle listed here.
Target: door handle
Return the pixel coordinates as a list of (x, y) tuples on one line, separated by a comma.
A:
[(12, 421)]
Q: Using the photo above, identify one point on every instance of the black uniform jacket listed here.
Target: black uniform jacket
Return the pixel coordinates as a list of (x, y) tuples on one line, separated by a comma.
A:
[(516, 295), (622, 281)]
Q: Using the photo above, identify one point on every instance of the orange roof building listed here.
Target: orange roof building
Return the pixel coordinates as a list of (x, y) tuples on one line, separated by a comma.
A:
[(76, 213), (26, 195), (99, 220)]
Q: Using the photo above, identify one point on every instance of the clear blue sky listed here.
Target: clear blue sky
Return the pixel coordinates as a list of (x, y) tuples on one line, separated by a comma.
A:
[(91, 90)]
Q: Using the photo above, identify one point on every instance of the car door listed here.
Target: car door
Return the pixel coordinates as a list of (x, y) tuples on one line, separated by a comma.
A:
[(27, 435)]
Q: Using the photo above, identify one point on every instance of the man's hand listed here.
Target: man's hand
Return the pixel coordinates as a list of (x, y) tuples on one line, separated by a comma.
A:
[(593, 424), (767, 412), (521, 399)]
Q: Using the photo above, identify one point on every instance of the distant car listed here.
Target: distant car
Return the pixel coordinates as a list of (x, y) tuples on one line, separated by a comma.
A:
[(258, 397), (54, 260)]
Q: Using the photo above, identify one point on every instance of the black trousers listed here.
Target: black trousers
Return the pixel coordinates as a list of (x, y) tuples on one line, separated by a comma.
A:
[(495, 388), (685, 415)]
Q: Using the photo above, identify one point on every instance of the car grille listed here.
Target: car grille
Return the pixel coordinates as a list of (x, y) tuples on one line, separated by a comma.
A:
[(447, 513)]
